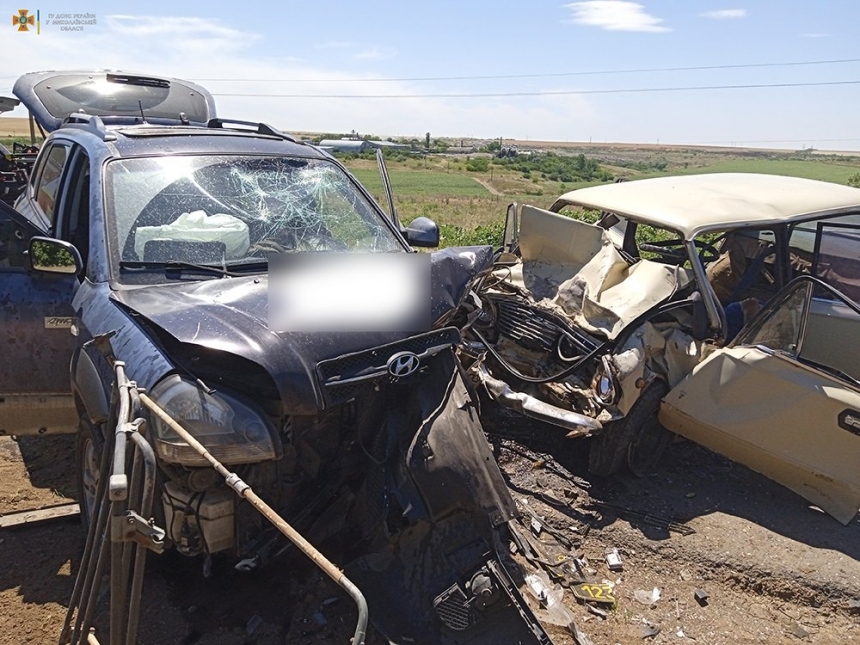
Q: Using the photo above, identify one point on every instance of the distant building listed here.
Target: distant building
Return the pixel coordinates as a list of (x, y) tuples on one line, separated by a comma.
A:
[(358, 145), (7, 103), (345, 145)]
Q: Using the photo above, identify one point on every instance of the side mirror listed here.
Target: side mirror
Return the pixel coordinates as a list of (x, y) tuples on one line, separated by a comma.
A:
[(422, 231), (48, 255)]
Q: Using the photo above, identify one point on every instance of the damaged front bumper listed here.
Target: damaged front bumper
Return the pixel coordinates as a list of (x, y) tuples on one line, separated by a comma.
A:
[(575, 423)]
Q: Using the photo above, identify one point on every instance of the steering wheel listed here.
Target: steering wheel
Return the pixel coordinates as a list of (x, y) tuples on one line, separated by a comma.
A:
[(674, 252)]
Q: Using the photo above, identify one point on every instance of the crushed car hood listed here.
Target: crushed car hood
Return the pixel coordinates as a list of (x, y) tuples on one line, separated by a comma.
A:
[(231, 316)]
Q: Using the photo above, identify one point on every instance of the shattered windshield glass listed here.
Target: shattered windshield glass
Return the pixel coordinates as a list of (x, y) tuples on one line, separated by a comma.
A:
[(233, 210)]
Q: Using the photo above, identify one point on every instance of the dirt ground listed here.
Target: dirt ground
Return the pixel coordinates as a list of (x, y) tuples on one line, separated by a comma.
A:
[(774, 569)]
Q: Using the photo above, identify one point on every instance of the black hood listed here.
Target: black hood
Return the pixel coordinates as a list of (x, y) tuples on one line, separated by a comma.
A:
[(230, 316)]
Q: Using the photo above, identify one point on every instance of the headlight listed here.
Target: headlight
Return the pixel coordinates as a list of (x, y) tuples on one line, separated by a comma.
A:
[(229, 429), (605, 385)]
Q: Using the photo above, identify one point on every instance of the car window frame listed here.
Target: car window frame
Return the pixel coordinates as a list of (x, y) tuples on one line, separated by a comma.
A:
[(79, 161), (44, 157)]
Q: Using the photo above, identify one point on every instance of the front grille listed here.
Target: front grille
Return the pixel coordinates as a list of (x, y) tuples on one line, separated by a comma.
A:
[(539, 330), (343, 377), (517, 322), (453, 608)]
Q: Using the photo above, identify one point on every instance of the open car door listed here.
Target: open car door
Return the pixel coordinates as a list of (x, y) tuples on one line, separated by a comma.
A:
[(765, 402)]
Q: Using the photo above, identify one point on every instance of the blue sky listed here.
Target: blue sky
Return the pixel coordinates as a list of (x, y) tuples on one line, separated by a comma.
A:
[(322, 50)]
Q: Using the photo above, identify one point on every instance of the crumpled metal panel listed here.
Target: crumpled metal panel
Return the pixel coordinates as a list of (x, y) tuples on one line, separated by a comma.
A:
[(231, 316)]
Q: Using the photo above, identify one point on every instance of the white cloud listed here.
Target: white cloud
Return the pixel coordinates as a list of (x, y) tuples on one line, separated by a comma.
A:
[(335, 44), (725, 14), (195, 51), (374, 53), (615, 15)]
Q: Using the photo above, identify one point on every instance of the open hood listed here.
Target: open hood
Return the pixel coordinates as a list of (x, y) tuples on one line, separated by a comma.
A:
[(116, 97)]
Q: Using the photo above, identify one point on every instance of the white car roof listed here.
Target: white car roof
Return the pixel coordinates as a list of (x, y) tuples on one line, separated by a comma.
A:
[(694, 204)]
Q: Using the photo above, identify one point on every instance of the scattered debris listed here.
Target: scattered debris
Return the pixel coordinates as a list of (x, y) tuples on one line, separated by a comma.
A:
[(701, 597), (613, 560), (647, 597), (319, 619), (597, 611), (647, 630), (253, 624), (797, 631), (647, 518)]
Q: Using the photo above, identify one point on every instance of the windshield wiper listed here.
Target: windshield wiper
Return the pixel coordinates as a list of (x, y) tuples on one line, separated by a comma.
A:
[(178, 265)]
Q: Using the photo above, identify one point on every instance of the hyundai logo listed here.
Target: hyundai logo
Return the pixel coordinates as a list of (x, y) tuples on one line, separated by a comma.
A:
[(403, 364)]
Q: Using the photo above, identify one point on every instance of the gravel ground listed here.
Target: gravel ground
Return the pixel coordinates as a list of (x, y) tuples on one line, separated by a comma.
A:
[(774, 569)]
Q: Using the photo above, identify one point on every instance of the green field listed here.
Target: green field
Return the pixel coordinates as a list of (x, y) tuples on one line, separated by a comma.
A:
[(441, 188), (837, 172), (422, 182)]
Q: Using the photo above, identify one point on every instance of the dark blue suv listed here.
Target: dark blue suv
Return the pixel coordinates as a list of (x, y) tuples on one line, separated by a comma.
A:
[(149, 221)]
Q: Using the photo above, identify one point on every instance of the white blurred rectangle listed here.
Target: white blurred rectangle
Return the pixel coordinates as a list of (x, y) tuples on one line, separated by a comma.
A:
[(352, 292)]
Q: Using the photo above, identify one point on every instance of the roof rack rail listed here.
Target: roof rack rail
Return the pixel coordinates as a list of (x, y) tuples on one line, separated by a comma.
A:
[(89, 122), (261, 128)]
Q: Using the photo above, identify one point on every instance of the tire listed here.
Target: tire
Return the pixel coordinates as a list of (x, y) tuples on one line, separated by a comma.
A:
[(610, 450), (88, 454), (649, 438)]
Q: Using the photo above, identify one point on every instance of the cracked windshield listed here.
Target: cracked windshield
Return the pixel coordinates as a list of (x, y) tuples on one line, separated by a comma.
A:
[(233, 211)]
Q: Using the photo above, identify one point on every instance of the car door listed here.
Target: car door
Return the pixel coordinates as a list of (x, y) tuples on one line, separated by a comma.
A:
[(836, 261), (764, 403), (36, 317)]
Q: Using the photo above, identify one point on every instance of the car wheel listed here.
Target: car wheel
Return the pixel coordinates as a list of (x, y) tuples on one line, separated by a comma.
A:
[(88, 460), (649, 438), (611, 449)]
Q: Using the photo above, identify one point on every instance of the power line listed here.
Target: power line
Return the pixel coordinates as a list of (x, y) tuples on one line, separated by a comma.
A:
[(514, 76), (638, 90), (644, 70)]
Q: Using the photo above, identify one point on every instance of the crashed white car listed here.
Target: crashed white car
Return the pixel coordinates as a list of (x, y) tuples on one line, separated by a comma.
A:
[(720, 307)]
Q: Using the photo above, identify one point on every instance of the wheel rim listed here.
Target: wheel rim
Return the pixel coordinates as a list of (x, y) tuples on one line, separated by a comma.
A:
[(89, 476)]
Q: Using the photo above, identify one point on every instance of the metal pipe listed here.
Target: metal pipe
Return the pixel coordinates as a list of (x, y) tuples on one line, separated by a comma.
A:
[(147, 455), (118, 493), (95, 566), (86, 560), (244, 491)]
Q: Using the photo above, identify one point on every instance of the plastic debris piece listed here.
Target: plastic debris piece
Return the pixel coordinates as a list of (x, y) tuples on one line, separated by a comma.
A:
[(319, 619), (701, 597), (796, 630), (613, 560), (253, 625), (680, 633), (648, 631), (647, 597), (596, 611), (536, 527), (550, 597)]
